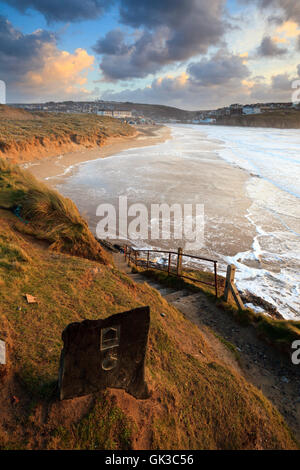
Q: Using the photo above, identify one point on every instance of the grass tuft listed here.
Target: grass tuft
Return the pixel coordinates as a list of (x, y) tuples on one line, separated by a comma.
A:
[(46, 215)]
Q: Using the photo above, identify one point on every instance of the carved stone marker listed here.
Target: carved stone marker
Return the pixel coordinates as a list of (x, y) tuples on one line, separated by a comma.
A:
[(105, 353)]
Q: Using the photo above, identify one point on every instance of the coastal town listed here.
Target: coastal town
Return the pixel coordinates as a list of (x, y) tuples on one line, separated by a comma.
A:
[(145, 114)]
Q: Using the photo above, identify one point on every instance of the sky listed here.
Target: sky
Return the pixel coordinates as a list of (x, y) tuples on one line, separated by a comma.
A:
[(192, 54)]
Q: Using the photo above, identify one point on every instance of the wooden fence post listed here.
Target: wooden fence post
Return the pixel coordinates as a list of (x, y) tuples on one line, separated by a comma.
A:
[(216, 278), (230, 288), (179, 262), (148, 256), (169, 264)]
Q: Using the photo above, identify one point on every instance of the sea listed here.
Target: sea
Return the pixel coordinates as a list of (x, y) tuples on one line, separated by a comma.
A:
[(246, 179)]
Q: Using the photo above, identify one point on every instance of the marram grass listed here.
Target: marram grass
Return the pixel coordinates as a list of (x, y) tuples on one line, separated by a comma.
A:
[(46, 214)]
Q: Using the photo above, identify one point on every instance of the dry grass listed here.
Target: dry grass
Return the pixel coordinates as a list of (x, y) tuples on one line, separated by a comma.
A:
[(279, 333), (197, 402), (45, 214), (56, 126)]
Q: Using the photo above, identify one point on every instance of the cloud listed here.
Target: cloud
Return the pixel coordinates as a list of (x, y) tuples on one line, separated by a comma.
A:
[(63, 10), (112, 43), (284, 10), (19, 52), (220, 69), (290, 29), (61, 75), (279, 89), (168, 31), (33, 67), (269, 48), (205, 90)]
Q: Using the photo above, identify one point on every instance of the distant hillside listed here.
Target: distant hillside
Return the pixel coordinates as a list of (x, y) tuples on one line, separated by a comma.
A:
[(155, 111), (281, 119)]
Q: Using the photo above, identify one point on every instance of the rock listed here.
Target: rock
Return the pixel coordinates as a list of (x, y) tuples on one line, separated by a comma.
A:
[(30, 299), (105, 353)]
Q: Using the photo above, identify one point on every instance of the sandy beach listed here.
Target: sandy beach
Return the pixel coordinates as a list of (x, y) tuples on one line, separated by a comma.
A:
[(49, 168)]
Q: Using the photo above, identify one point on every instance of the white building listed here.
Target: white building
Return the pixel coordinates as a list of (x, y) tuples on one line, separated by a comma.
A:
[(122, 114), (251, 110), (105, 112)]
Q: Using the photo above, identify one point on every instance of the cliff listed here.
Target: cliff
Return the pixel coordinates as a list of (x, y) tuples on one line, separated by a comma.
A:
[(277, 119), (29, 136)]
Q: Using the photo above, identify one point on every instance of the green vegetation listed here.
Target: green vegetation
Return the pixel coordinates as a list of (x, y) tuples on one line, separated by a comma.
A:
[(106, 427), (196, 401), (45, 214), (231, 347), (280, 333)]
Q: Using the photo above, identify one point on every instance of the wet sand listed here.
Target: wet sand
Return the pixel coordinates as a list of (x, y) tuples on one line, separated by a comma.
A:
[(65, 163)]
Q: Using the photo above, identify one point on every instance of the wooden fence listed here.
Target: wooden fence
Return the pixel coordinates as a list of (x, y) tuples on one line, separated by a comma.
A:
[(168, 265)]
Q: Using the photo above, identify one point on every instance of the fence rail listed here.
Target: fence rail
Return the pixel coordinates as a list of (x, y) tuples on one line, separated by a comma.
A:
[(175, 269)]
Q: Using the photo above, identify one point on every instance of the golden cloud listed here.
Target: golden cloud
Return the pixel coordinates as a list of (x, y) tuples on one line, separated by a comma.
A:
[(290, 29), (61, 72)]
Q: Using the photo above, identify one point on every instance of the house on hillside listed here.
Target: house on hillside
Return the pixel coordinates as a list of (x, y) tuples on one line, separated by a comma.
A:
[(122, 114), (105, 112), (251, 110), (236, 109)]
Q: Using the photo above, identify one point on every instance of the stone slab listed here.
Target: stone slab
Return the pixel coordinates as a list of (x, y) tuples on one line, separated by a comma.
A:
[(105, 353)]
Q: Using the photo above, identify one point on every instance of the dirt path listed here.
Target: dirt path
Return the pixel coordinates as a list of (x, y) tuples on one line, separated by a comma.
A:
[(261, 364)]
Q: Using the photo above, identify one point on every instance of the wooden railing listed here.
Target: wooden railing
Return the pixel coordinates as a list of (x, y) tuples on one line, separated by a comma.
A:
[(173, 269)]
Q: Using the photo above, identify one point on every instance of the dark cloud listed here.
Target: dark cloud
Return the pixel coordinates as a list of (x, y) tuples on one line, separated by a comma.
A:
[(282, 82), (112, 44), (219, 69), (169, 31), (20, 52), (137, 60), (269, 48), (63, 10), (289, 9)]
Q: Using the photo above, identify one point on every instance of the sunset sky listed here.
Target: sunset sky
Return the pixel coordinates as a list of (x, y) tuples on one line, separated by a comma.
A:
[(194, 54)]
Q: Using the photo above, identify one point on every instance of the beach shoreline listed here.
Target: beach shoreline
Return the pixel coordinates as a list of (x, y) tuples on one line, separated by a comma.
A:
[(57, 166)]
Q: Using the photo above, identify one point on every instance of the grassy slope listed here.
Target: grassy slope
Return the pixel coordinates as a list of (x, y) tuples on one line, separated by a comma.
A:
[(45, 214), (196, 402), (22, 132), (279, 333)]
